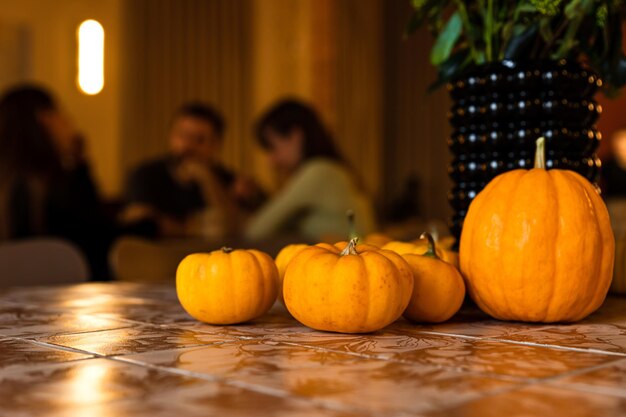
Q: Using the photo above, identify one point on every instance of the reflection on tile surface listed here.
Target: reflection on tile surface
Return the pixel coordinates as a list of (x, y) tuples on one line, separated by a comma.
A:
[(24, 321), (14, 352), (134, 340), (540, 401), (101, 387), (605, 337), (611, 378), (481, 356), (369, 385)]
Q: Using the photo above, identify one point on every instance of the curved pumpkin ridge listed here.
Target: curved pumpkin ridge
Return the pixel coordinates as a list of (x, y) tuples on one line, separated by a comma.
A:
[(236, 260), (404, 282), (348, 279), (226, 261), (596, 273), (562, 281), (525, 202), (468, 244), (368, 267), (556, 264), (406, 274), (593, 258), (540, 204), (607, 247), (577, 261), (270, 279), (502, 205), (291, 285), (324, 266)]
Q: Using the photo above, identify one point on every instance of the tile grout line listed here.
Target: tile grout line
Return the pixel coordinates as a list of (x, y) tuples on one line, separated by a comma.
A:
[(535, 344), (518, 384), (274, 392), (461, 370)]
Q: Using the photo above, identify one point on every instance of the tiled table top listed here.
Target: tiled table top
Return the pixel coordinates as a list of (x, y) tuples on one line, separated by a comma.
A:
[(130, 350)]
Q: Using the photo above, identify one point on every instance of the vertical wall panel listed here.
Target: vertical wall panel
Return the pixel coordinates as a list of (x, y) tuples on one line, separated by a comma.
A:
[(178, 51)]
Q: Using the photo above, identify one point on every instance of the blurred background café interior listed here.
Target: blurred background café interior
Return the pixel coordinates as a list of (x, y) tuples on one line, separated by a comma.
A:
[(140, 131)]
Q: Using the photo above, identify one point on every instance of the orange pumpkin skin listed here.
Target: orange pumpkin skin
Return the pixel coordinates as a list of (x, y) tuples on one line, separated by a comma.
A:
[(418, 247), (225, 287), (352, 293), (283, 258), (377, 239), (438, 292), (537, 246)]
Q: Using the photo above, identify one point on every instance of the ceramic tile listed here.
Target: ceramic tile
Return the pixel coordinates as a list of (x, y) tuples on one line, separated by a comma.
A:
[(276, 325), (468, 323), (337, 379), (133, 340), (90, 295), (474, 355), (169, 364), (213, 399), (148, 313), (540, 400), (29, 321), (101, 387), (15, 353), (594, 336), (606, 379)]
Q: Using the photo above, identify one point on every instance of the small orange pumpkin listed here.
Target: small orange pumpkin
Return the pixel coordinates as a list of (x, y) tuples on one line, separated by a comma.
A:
[(419, 247), (354, 291), (227, 286), (537, 246), (283, 258), (439, 289), (377, 239)]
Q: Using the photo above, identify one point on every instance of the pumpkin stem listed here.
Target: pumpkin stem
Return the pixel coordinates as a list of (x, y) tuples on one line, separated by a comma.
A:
[(431, 251), (351, 226), (351, 248), (540, 153), (226, 249)]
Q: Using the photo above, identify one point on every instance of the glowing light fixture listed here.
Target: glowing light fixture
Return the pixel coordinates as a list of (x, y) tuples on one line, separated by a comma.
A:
[(90, 57)]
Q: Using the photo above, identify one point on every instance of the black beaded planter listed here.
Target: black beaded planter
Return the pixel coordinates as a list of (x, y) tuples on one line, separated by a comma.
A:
[(500, 109)]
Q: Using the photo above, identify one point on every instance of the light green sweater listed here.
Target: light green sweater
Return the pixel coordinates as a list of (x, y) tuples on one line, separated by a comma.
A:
[(314, 204)]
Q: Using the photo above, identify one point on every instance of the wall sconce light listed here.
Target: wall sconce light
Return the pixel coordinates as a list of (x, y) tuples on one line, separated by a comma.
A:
[(90, 57)]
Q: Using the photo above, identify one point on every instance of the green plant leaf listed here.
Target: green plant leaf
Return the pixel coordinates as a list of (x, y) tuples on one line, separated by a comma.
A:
[(446, 40), (451, 68), (521, 42)]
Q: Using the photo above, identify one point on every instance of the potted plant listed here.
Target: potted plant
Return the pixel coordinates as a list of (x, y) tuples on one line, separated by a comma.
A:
[(519, 70)]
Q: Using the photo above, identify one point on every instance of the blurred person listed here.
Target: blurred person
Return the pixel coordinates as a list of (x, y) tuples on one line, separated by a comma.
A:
[(319, 186), (189, 191), (614, 169), (45, 183)]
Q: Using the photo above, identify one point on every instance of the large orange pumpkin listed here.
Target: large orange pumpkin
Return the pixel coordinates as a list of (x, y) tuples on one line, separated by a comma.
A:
[(537, 246), (227, 286), (355, 291)]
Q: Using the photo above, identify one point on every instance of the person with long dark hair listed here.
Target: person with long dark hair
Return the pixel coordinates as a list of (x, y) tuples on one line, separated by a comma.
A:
[(320, 187), (45, 184)]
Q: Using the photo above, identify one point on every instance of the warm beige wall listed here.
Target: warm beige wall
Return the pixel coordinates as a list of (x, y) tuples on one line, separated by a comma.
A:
[(282, 53), (331, 54), (53, 27)]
